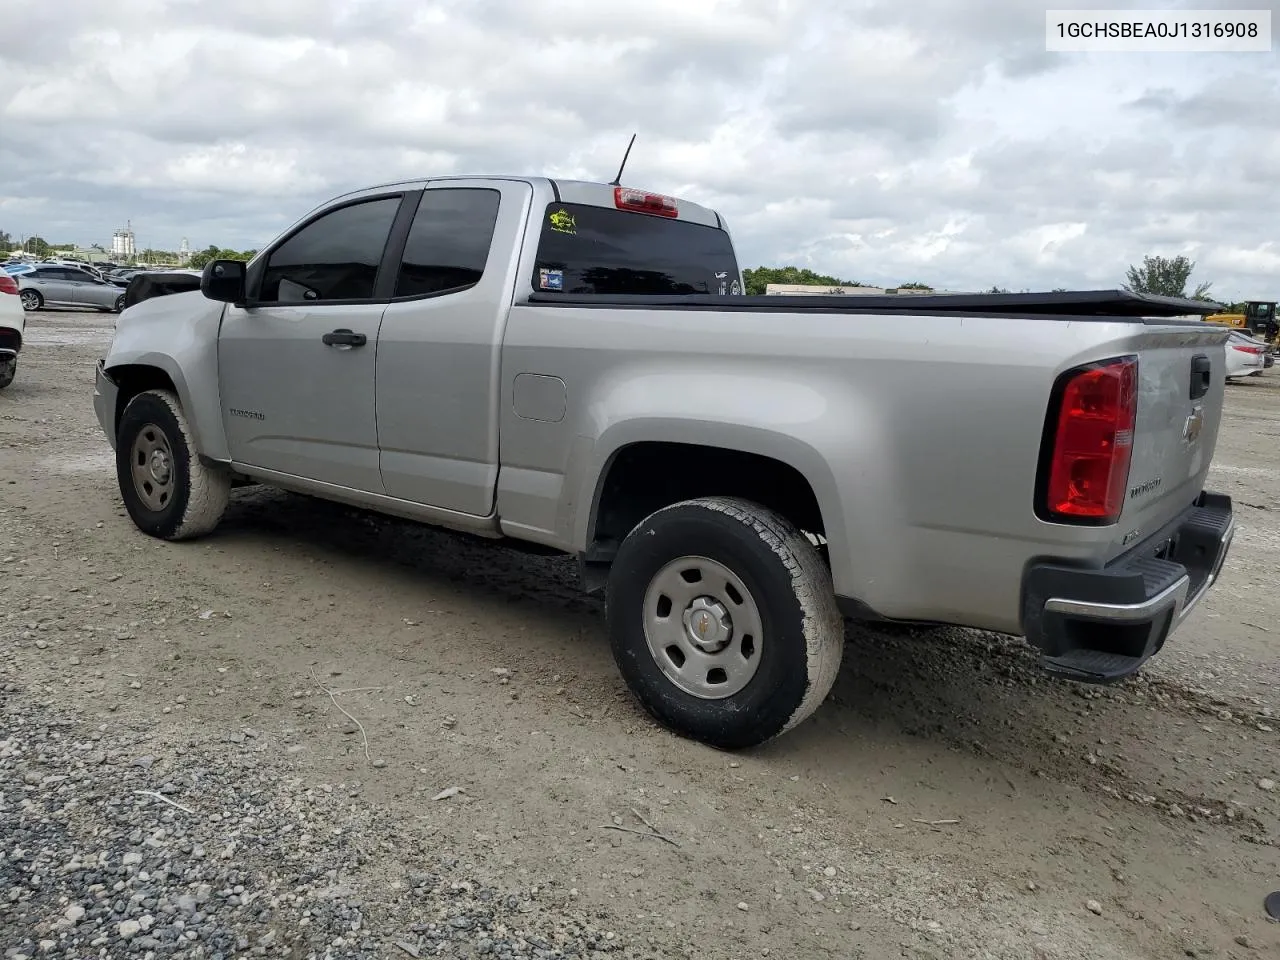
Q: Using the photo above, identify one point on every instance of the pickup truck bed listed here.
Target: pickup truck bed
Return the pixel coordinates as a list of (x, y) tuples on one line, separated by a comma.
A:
[(570, 365)]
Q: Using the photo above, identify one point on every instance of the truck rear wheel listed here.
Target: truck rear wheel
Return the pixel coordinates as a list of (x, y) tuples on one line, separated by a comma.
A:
[(8, 370), (723, 621), (168, 492)]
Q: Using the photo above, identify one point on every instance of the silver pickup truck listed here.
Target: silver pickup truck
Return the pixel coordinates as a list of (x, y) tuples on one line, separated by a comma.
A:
[(574, 365)]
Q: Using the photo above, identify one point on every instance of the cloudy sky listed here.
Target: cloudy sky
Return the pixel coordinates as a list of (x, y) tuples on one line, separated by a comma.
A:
[(880, 140)]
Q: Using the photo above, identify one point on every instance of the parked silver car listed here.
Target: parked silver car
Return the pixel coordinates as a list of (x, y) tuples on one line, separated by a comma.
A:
[(63, 286)]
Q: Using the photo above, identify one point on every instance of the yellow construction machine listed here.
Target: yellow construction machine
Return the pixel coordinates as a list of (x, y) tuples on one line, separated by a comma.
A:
[(1258, 319)]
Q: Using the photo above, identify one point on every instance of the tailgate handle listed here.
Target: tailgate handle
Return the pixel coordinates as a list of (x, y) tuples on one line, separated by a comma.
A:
[(1201, 371)]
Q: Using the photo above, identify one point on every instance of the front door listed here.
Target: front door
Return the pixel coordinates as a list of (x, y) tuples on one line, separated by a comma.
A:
[(296, 365), (93, 292)]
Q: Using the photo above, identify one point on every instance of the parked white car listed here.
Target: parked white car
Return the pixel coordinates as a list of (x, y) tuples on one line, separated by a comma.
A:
[(13, 322), (1246, 356)]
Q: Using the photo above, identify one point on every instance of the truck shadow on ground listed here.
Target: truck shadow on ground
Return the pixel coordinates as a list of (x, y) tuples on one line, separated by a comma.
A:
[(978, 694)]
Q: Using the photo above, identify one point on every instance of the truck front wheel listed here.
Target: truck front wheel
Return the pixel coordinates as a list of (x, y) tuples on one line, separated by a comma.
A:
[(168, 491), (723, 621), (8, 370)]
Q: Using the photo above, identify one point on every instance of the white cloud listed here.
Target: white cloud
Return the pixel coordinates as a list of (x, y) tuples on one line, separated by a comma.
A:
[(879, 141), (240, 167)]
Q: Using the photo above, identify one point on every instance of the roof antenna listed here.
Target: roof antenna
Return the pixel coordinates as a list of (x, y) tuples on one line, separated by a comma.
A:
[(617, 181)]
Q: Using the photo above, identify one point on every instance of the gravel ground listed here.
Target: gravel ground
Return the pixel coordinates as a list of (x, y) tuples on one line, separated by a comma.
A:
[(319, 733), (122, 841)]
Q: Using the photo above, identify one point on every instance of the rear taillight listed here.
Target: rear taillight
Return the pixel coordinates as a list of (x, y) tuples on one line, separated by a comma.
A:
[(625, 198), (8, 284), (1246, 349), (1091, 443)]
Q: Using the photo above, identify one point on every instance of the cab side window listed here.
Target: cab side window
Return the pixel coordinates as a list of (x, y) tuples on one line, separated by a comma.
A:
[(449, 241), (335, 257)]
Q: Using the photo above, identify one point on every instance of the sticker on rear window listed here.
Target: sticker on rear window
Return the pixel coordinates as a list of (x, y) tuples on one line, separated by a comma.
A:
[(550, 279), (562, 222)]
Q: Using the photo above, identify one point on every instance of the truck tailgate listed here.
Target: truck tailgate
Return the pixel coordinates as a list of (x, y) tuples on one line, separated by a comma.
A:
[(1181, 384)]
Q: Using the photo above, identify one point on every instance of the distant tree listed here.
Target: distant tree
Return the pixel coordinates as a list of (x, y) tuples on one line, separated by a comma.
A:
[(997, 290), (1058, 290), (37, 245), (913, 285), (6, 240), (211, 252), (759, 278), (1165, 277)]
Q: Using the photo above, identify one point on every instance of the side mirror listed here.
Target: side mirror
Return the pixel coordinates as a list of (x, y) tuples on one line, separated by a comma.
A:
[(223, 280)]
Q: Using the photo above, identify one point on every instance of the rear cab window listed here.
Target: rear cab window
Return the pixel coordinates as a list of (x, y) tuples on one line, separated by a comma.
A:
[(587, 249)]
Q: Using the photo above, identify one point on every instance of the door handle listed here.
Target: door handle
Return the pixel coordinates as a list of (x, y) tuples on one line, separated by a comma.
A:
[(1201, 371), (343, 337)]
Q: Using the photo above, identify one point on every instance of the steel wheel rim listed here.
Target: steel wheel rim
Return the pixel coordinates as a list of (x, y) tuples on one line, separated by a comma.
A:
[(119, 303), (703, 628), (151, 465), (30, 300)]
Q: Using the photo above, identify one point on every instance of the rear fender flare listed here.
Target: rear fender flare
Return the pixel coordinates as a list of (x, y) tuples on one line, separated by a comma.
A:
[(728, 436)]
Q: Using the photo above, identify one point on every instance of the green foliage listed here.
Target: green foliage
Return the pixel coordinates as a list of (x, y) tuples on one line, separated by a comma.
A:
[(37, 245), (913, 285), (211, 252), (1165, 277), (756, 280)]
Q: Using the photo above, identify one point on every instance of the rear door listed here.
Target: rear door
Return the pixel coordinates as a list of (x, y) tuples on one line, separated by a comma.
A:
[(56, 285), (77, 282), (296, 367), (439, 348)]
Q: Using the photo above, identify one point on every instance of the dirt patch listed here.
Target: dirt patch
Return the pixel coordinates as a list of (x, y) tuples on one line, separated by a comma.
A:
[(948, 801)]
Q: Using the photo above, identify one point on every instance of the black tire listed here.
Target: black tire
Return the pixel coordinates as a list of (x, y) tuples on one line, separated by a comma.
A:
[(197, 494), (801, 630), (119, 307), (8, 370), (29, 296)]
